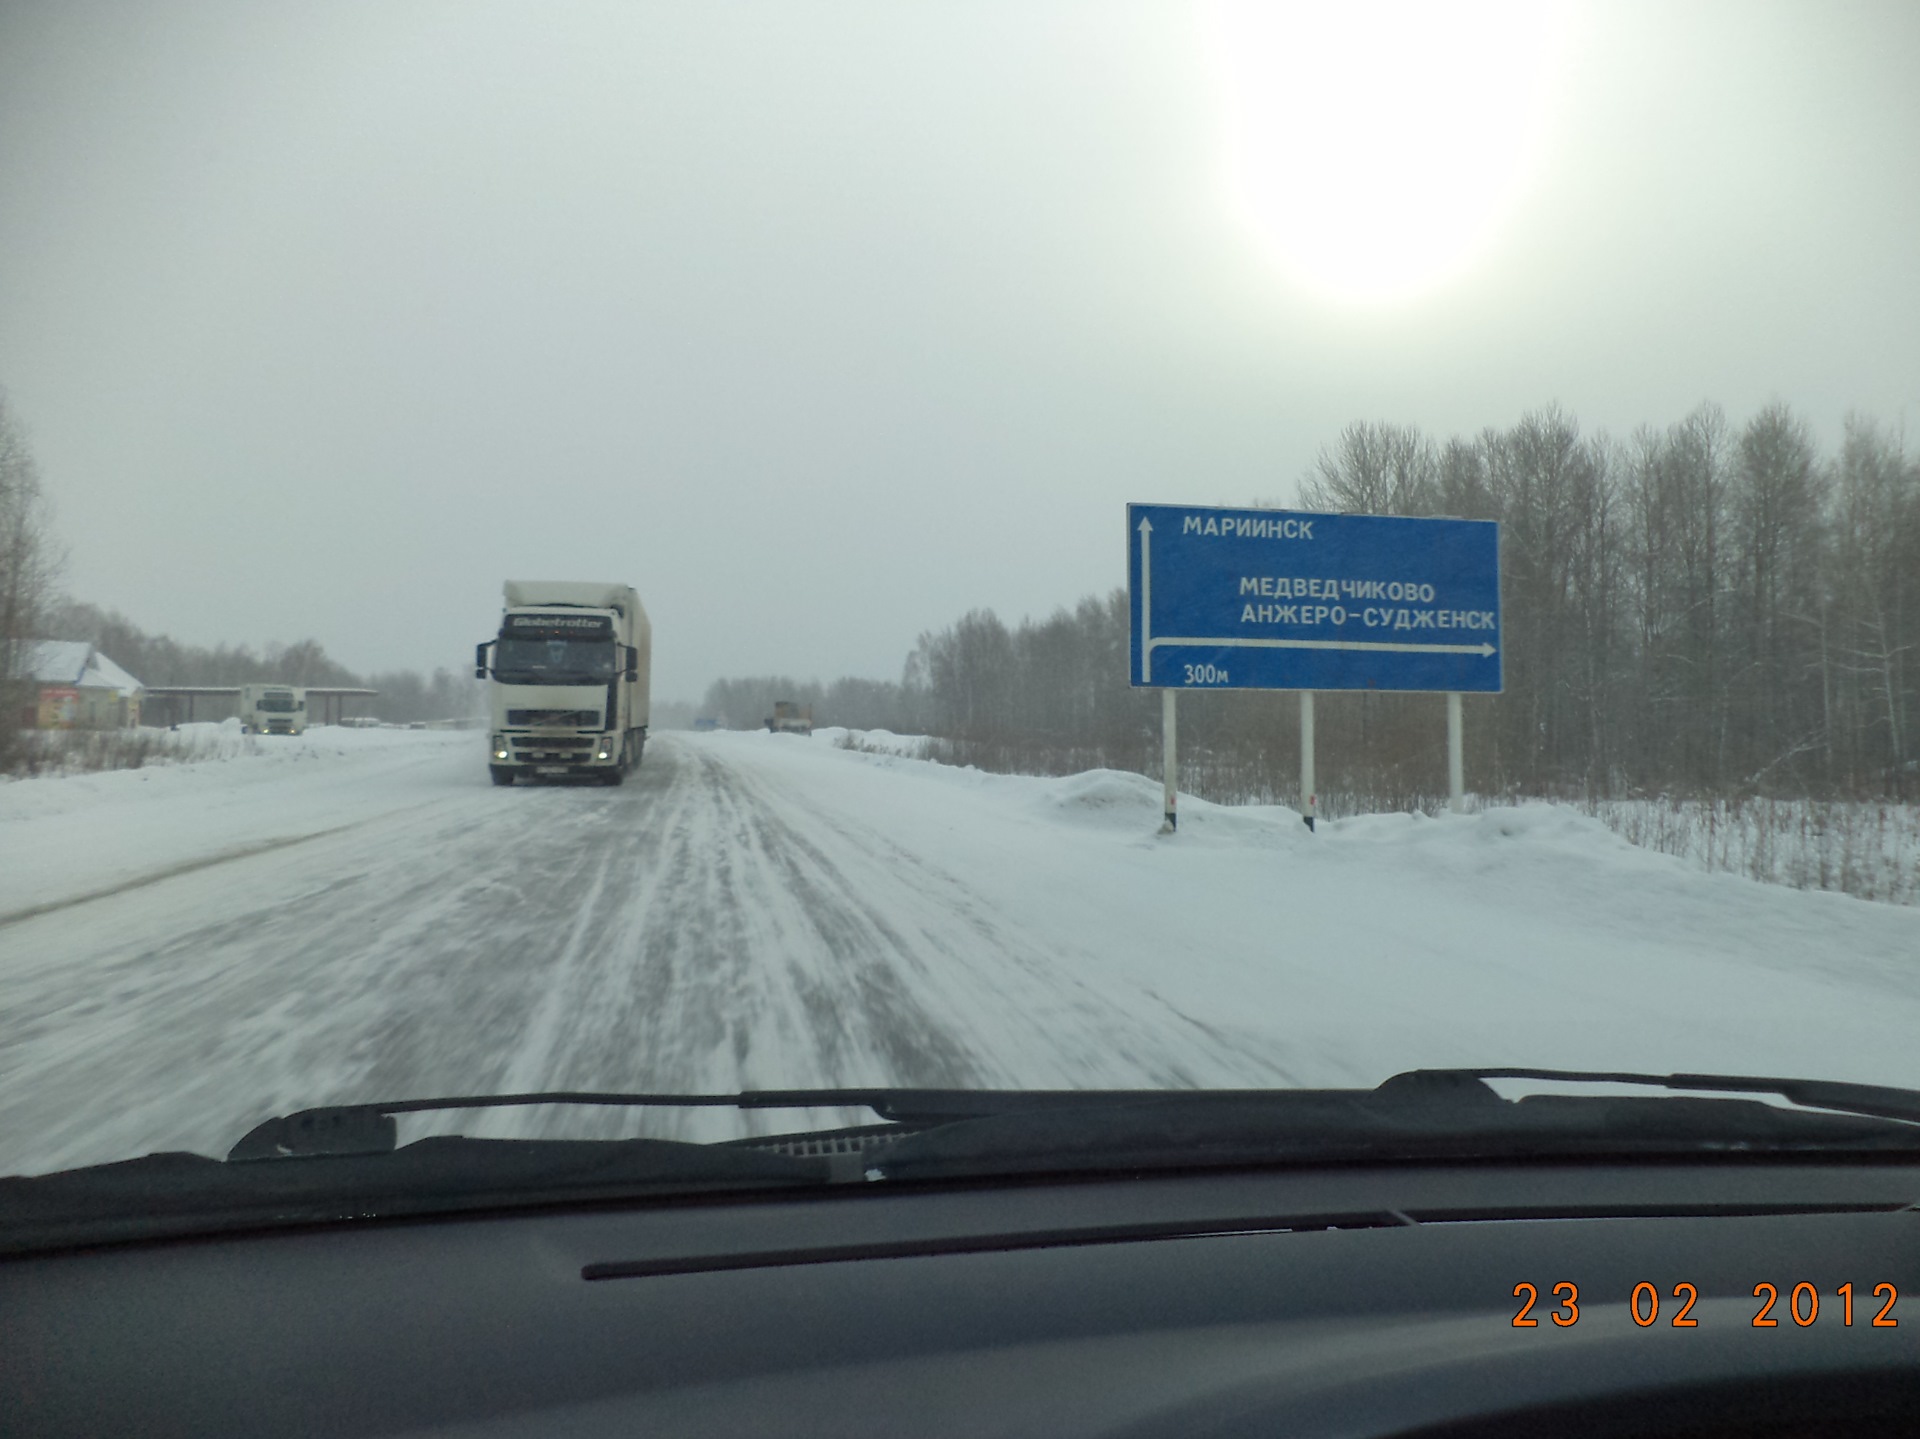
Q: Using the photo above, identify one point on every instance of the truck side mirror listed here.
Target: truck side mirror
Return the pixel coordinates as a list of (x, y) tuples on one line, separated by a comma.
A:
[(633, 662), (480, 661)]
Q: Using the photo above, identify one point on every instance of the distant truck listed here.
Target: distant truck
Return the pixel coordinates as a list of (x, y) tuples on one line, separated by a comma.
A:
[(790, 718), (273, 709), (571, 673)]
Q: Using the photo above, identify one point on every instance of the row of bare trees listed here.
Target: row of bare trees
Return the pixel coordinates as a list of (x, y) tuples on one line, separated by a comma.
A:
[(1700, 608), (161, 660)]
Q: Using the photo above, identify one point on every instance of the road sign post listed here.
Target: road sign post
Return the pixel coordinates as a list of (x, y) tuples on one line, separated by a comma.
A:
[(1169, 765), (1309, 793), (1456, 764), (1288, 600)]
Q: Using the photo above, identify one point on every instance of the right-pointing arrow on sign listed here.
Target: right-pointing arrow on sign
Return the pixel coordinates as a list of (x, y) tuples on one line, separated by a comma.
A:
[(1482, 649)]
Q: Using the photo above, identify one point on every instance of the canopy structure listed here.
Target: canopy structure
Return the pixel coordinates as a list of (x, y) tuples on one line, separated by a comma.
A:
[(183, 704)]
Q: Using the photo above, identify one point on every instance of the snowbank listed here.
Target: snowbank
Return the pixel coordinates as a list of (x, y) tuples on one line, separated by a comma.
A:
[(1525, 935), (875, 741), (62, 836)]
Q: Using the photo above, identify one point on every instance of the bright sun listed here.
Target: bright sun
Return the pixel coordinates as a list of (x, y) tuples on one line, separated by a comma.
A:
[(1378, 144)]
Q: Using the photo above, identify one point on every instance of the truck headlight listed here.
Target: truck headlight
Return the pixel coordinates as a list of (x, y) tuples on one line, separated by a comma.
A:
[(499, 747), (606, 748)]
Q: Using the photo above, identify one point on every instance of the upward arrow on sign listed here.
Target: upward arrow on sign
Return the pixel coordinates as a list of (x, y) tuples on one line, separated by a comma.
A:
[(1146, 599)]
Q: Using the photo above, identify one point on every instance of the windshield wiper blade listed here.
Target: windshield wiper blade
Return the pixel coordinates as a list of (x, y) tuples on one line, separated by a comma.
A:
[(1877, 1100), (1445, 1115), (178, 1193), (369, 1128)]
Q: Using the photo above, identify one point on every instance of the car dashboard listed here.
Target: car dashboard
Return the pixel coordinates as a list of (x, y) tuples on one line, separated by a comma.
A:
[(1737, 1296)]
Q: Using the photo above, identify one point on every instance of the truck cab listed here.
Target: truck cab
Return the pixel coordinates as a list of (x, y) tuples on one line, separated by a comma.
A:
[(569, 672), (273, 709), (790, 718)]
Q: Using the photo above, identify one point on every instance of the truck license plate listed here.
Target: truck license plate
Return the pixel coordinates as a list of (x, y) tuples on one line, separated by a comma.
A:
[(550, 769)]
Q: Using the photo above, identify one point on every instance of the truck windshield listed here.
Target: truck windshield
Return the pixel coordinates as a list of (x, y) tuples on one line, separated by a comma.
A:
[(278, 704), (553, 662)]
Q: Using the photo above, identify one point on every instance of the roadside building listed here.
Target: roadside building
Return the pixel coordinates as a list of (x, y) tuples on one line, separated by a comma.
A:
[(77, 687)]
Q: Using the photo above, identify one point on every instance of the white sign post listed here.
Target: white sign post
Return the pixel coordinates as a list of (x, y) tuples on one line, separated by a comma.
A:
[(1169, 765), (1456, 765), (1308, 794)]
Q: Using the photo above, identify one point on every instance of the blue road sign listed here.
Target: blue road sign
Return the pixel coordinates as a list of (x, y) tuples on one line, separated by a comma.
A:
[(1285, 600)]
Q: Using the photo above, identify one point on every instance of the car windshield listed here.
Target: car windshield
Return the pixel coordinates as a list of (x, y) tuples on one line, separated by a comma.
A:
[(1186, 547), (553, 662)]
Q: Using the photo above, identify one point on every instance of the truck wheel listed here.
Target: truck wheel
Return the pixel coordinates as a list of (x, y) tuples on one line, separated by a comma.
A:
[(502, 774)]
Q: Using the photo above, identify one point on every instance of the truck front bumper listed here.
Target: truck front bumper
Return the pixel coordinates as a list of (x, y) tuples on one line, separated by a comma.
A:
[(556, 754)]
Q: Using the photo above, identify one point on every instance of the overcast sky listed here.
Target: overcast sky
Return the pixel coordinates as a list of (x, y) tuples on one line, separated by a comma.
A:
[(824, 323)]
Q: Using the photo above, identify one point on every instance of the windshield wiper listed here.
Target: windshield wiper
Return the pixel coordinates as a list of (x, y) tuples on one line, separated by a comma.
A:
[(370, 1128), (1881, 1101), (1445, 1115), (178, 1193), (344, 1162)]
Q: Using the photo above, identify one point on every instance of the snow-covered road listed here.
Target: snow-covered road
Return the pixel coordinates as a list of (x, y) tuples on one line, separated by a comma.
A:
[(188, 949)]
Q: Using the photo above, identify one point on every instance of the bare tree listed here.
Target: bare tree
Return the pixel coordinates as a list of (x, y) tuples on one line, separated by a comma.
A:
[(1775, 532), (28, 567), (1375, 469), (1876, 578)]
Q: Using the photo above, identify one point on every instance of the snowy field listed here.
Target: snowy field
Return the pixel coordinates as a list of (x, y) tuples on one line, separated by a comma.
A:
[(353, 915)]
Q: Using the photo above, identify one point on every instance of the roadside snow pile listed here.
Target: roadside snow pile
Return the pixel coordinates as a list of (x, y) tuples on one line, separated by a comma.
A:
[(1129, 806), (1525, 934), (195, 748), (54, 753), (1105, 798), (1867, 850), (875, 741), (68, 834)]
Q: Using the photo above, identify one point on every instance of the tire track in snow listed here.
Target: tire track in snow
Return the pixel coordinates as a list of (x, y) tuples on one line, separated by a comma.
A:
[(714, 964), (1040, 1009)]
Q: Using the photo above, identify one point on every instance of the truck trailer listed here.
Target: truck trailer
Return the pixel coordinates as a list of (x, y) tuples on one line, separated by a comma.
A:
[(273, 709), (570, 674)]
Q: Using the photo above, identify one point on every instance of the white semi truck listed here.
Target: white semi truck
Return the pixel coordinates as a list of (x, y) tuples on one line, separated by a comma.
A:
[(273, 709), (570, 670)]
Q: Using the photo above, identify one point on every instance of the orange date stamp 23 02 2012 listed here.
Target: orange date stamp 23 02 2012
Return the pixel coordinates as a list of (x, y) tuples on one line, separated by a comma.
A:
[(1798, 1303)]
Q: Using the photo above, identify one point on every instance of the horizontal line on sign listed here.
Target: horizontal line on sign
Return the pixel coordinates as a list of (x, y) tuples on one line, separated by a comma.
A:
[(1482, 649)]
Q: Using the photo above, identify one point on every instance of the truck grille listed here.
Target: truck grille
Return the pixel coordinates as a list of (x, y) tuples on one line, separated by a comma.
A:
[(576, 719), (553, 746)]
